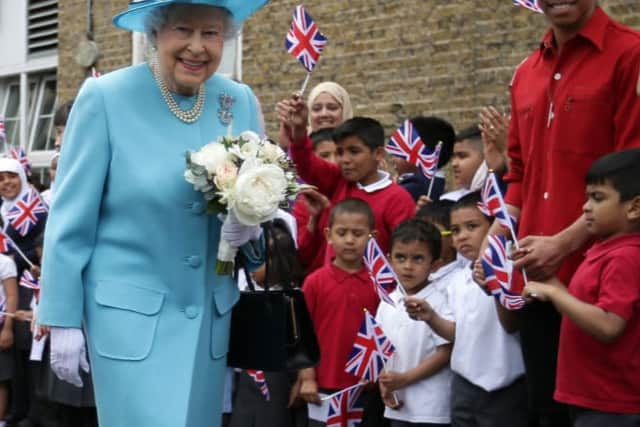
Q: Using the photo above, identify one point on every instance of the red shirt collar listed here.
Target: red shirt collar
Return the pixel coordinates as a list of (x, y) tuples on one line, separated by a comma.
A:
[(341, 275), (605, 246), (594, 31)]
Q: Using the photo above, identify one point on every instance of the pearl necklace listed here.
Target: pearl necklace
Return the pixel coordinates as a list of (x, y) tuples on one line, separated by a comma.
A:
[(189, 116)]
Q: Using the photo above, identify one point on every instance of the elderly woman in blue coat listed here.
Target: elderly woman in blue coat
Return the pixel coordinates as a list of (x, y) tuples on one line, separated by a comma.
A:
[(129, 249)]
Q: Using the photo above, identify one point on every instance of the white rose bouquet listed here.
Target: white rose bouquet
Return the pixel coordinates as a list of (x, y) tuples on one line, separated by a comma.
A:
[(247, 178)]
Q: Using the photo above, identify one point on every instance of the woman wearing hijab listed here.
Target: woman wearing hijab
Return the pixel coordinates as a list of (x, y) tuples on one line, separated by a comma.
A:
[(130, 250), (329, 106), (26, 236)]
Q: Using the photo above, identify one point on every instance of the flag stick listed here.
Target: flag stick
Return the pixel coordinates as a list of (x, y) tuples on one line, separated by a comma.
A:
[(433, 178), (305, 83), (22, 255), (6, 313), (341, 391)]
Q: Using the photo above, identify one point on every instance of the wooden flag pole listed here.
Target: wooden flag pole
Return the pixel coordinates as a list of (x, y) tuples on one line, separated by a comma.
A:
[(304, 84)]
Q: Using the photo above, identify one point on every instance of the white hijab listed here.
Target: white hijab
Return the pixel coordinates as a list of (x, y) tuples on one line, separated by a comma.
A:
[(12, 165)]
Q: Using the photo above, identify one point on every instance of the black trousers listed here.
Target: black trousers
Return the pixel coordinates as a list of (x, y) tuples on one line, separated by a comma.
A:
[(539, 338), (472, 406)]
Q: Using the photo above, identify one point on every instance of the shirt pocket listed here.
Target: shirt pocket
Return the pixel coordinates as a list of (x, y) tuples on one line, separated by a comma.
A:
[(123, 321), (586, 117), (224, 298)]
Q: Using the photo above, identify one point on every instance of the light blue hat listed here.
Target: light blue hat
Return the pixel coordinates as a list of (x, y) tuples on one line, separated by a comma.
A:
[(133, 18)]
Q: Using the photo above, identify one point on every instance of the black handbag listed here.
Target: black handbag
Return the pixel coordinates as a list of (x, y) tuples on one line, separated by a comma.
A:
[(271, 330)]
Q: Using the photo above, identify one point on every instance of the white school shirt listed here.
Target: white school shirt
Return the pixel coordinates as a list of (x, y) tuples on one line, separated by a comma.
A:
[(7, 270), (428, 400), (483, 353), (441, 278)]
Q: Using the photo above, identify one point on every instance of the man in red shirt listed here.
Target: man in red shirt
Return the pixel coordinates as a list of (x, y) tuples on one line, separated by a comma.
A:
[(574, 99)]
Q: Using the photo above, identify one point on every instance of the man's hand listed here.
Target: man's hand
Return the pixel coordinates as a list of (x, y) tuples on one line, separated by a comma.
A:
[(539, 256), (309, 391)]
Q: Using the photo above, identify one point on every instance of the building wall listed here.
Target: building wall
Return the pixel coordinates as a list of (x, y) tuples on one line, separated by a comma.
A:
[(397, 58)]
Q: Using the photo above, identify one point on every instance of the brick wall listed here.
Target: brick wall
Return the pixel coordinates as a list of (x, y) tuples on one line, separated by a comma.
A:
[(396, 58)]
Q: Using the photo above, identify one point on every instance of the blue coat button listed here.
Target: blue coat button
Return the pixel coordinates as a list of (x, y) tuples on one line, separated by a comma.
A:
[(197, 208), (194, 261), (191, 311)]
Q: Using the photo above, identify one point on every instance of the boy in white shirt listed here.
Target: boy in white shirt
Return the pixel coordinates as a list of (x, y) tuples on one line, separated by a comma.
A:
[(488, 387), (415, 385)]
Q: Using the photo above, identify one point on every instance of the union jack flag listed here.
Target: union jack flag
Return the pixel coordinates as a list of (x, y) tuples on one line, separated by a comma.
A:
[(304, 41), (346, 409), (493, 204), (529, 4), (3, 308), (383, 277), (3, 133), (5, 242), (407, 144), (371, 351), (261, 382), (21, 156), (29, 281), (498, 272), (24, 214)]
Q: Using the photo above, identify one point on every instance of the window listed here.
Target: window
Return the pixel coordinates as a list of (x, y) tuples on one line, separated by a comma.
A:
[(39, 114), (42, 29)]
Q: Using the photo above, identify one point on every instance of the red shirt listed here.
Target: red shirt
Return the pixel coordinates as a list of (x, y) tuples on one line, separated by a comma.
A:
[(592, 88), (591, 374), (391, 205), (336, 300), (309, 243)]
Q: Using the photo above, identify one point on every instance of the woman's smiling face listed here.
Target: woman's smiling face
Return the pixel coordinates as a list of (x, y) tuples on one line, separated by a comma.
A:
[(190, 46)]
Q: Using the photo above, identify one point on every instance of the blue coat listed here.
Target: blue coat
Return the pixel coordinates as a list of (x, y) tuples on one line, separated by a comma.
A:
[(130, 253)]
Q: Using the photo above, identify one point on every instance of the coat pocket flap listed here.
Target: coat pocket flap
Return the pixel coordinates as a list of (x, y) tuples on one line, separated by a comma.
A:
[(225, 297), (129, 297)]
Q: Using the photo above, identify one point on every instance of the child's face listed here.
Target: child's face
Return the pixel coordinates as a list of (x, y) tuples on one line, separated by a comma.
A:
[(326, 150), (59, 134), (53, 169), (412, 262), (468, 229), (357, 161), (606, 215), (10, 185), (465, 162), (348, 235)]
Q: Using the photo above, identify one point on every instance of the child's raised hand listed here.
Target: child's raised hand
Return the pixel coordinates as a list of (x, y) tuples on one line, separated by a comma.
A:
[(542, 291), (419, 309), (293, 114), (478, 276), (316, 201), (423, 200)]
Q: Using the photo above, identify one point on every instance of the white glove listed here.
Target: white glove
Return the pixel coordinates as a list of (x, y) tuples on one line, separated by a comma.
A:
[(236, 233), (68, 354)]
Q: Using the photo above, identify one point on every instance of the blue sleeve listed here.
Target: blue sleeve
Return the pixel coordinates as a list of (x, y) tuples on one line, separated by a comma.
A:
[(73, 220)]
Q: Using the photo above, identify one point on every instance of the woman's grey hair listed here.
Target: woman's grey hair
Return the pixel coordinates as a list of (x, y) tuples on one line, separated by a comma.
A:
[(159, 16)]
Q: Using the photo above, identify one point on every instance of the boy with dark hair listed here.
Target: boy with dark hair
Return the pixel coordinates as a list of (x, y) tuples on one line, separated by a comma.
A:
[(360, 148), (488, 372), (323, 144), (600, 332), (432, 130), (336, 295), (415, 384)]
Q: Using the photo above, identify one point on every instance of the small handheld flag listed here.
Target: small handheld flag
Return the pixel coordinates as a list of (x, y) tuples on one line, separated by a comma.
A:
[(371, 351), (407, 144), (26, 212), (498, 272), (529, 4), (21, 156), (384, 278), (346, 408), (493, 204), (261, 382), (5, 242), (305, 42), (29, 281)]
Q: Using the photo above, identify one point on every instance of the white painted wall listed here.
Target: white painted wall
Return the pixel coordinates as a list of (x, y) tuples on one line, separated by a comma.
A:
[(13, 36)]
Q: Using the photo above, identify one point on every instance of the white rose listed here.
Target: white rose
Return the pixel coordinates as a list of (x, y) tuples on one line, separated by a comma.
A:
[(271, 153), (226, 174), (251, 136), (211, 156), (199, 182), (259, 190)]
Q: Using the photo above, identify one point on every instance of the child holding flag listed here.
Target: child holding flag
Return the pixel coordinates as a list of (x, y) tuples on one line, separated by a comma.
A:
[(488, 383), (600, 309), (415, 385), (337, 295), (360, 148)]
